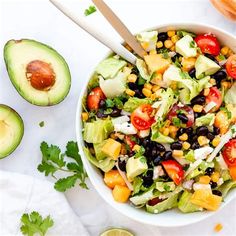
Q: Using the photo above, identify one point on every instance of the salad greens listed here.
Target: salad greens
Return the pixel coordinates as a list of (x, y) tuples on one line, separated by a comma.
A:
[(90, 10), (162, 131), (53, 161)]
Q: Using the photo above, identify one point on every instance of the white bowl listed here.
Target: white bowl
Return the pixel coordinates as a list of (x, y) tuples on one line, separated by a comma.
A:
[(171, 218)]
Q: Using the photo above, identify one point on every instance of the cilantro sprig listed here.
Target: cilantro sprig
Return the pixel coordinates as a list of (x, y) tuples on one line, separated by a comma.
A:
[(91, 9), (34, 223), (69, 162)]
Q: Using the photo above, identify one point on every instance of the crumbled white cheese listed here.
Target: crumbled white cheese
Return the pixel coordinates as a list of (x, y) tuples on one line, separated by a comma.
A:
[(202, 153), (220, 181), (197, 186), (125, 128), (188, 184), (144, 133), (209, 106), (157, 172), (120, 120)]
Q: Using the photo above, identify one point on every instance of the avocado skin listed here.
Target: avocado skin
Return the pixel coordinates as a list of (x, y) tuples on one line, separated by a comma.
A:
[(20, 122), (50, 102)]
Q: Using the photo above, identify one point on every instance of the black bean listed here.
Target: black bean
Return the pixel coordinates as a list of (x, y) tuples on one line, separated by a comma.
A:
[(167, 155), (219, 75), (160, 147), (216, 130), (201, 130), (180, 131), (154, 152), (162, 36), (209, 171), (192, 73), (200, 100), (157, 160), (138, 93), (116, 112), (147, 178), (217, 192), (132, 86), (189, 130), (212, 58), (101, 115), (210, 136), (146, 142), (213, 184), (122, 165), (183, 118), (102, 104), (196, 115), (176, 146), (195, 145)]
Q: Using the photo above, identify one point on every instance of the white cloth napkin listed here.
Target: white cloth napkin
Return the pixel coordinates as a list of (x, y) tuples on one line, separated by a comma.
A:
[(23, 194)]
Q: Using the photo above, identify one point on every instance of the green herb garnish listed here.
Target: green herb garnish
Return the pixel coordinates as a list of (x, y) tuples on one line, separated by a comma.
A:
[(90, 10), (53, 160), (34, 223), (176, 122), (192, 44), (41, 124), (229, 115)]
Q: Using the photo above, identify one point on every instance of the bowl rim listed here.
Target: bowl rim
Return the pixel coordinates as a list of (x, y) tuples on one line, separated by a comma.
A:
[(86, 163)]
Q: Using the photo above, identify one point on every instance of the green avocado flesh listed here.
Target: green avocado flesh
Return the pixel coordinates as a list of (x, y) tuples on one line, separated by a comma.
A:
[(11, 130), (18, 54)]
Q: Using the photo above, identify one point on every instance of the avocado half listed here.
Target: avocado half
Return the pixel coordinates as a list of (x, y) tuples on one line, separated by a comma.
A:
[(38, 72), (11, 130)]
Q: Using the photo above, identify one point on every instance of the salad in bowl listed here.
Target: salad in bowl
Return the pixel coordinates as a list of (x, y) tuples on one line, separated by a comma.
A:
[(162, 132)]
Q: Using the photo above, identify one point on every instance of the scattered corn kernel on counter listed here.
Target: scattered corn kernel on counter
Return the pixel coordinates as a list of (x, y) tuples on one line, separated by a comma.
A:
[(163, 131)]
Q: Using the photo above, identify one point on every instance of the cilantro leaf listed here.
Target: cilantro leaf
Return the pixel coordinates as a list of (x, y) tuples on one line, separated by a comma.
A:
[(90, 10), (34, 223), (53, 160), (41, 124)]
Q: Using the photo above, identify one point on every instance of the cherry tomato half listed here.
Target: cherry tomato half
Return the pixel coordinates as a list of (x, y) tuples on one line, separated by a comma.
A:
[(187, 110), (231, 66), (229, 153), (141, 117), (94, 98), (208, 44), (174, 170), (214, 96)]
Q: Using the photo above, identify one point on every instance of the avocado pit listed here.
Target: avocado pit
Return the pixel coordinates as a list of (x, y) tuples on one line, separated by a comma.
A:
[(40, 74)]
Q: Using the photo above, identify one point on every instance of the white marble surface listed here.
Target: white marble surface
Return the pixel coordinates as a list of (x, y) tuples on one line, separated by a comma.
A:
[(37, 19)]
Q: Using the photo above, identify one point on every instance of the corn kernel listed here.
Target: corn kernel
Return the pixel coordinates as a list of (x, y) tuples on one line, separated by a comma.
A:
[(225, 84), (171, 33), (204, 179), (186, 145), (167, 123), (166, 131), (130, 92), (145, 45), (218, 227), (136, 148), (224, 51), (146, 92), (168, 43), (174, 38), (173, 131), (172, 48), (202, 140), (156, 78), (153, 96), (216, 141), (183, 137), (177, 153), (148, 86), (215, 176), (85, 116), (155, 88), (206, 92), (152, 52), (173, 85), (159, 44), (197, 108), (132, 78), (212, 81)]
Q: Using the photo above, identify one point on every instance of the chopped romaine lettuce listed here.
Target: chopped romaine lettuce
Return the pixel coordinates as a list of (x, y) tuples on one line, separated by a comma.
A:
[(165, 186), (204, 165), (168, 99), (206, 120), (100, 155), (143, 198), (105, 165), (137, 183), (225, 175), (143, 70), (190, 156), (134, 103), (159, 137), (116, 86), (182, 33), (185, 204), (109, 67), (148, 40), (230, 96), (97, 131), (226, 187), (167, 204)]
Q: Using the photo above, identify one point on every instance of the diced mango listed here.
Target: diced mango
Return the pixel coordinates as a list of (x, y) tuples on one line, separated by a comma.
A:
[(222, 121), (204, 179), (206, 199), (156, 63), (112, 148), (121, 193), (113, 178)]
